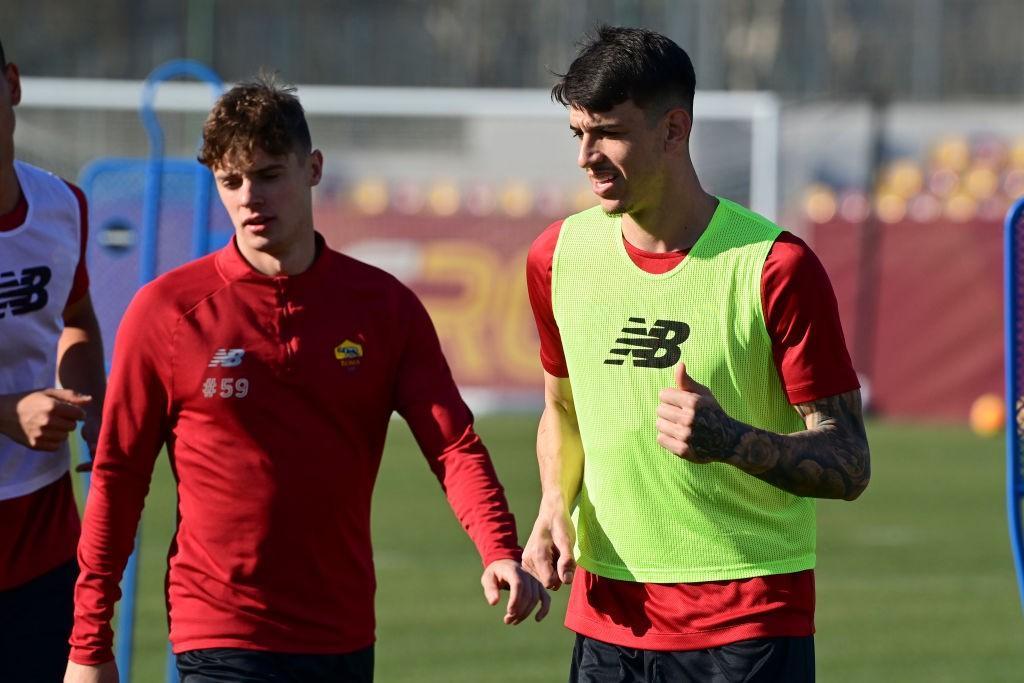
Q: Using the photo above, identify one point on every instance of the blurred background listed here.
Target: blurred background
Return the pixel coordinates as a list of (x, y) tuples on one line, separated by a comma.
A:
[(888, 134)]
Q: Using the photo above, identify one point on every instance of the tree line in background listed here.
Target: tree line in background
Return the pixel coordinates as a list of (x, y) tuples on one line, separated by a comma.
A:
[(804, 49)]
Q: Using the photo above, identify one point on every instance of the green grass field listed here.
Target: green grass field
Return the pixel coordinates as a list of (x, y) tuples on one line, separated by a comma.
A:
[(915, 580)]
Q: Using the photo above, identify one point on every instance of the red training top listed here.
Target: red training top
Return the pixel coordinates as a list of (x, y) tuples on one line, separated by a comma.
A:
[(40, 529), (273, 395), (810, 354)]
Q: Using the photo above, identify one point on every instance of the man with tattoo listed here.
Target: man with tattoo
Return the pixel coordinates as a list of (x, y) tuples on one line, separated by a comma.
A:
[(698, 397)]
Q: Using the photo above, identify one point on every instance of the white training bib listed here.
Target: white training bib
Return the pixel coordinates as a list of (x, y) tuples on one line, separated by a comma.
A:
[(37, 268)]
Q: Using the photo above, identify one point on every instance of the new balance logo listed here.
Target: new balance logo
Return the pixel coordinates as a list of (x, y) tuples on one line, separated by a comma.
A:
[(25, 293), (227, 358), (657, 347)]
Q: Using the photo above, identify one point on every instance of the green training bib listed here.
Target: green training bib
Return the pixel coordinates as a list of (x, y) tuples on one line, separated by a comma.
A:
[(645, 514)]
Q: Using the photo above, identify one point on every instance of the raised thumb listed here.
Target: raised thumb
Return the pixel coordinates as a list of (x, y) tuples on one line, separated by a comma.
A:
[(683, 380), (687, 383)]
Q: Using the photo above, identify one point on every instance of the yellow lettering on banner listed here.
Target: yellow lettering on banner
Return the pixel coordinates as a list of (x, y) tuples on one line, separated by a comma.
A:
[(517, 337), (461, 319)]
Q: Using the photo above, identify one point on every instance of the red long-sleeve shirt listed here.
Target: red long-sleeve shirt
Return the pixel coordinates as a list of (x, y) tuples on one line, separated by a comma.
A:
[(273, 395)]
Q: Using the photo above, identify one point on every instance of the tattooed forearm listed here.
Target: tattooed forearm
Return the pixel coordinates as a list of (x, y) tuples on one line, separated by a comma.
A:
[(828, 460)]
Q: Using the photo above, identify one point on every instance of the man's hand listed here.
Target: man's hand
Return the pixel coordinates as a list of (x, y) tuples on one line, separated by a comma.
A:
[(549, 552), (84, 673), (692, 424), (42, 419), (524, 591)]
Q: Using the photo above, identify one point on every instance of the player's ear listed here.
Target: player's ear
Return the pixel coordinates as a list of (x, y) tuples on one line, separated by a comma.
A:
[(13, 79), (316, 162), (678, 124)]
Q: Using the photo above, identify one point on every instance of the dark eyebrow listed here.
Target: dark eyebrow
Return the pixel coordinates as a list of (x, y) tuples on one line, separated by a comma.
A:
[(221, 173), (599, 128), (268, 167)]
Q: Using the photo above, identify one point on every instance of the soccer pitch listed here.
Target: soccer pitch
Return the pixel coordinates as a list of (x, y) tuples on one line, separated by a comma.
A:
[(914, 580)]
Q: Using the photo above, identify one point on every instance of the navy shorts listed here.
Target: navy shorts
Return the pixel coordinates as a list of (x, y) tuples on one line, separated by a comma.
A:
[(35, 624), (232, 665), (765, 660)]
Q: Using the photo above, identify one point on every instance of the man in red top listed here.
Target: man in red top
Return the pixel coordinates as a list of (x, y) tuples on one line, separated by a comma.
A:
[(270, 369), (48, 331), (630, 95)]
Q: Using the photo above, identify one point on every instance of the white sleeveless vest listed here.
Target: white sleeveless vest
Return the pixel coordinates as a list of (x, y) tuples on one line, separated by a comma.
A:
[(37, 268)]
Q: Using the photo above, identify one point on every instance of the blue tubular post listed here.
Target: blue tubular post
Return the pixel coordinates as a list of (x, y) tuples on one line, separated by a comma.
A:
[(148, 244), (172, 667), (1014, 338), (154, 174), (126, 615)]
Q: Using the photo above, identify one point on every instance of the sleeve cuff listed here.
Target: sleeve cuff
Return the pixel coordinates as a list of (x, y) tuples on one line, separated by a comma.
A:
[(91, 656), (515, 553)]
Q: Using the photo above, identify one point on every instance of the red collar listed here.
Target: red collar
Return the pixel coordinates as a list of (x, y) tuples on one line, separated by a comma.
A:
[(233, 266)]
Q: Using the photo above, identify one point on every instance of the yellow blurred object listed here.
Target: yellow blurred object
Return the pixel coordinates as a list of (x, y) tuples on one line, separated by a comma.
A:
[(904, 177), (444, 198), (961, 207), (981, 181), (516, 200), (370, 197), (1016, 154), (890, 207), (952, 153), (820, 203), (988, 415)]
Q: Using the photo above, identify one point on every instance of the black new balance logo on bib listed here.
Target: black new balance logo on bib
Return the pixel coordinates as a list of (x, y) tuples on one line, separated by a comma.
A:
[(25, 293), (657, 347)]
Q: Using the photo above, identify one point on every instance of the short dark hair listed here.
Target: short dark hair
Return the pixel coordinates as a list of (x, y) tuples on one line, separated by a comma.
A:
[(619, 64), (261, 113)]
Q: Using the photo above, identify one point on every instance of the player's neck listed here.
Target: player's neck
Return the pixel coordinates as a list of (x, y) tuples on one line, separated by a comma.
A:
[(10, 190), (295, 258), (674, 224)]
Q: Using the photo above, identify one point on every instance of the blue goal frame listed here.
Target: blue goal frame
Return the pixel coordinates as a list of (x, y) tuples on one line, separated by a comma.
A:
[(1014, 302)]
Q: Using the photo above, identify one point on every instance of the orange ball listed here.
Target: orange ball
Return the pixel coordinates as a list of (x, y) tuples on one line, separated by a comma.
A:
[(988, 415)]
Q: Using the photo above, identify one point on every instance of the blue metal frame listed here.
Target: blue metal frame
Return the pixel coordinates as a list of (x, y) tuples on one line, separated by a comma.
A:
[(155, 167), (154, 171), (1014, 358)]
